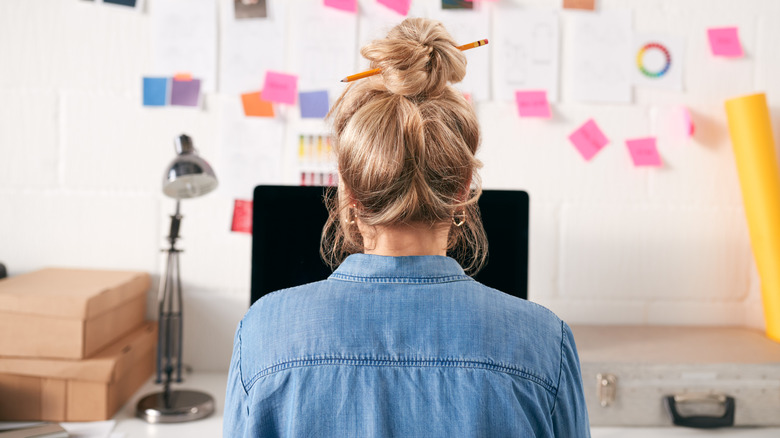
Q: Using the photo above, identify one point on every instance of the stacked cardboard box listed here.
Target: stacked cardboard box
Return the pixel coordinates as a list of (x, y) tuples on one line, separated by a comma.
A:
[(74, 345)]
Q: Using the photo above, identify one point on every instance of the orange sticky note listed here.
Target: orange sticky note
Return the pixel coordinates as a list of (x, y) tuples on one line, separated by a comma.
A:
[(182, 77), (587, 5), (254, 106)]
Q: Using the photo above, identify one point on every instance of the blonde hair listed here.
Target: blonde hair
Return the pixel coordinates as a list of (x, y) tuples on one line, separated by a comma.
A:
[(405, 141)]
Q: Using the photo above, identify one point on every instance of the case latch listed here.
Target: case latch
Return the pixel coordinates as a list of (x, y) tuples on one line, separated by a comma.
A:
[(606, 388)]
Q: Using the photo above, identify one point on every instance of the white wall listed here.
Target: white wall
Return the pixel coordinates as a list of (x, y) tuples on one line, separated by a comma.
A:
[(81, 163)]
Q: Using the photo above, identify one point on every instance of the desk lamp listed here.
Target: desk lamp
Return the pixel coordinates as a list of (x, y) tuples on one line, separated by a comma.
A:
[(188, 176)]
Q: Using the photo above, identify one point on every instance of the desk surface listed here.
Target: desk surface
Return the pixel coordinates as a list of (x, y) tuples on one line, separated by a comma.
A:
[(214, 384)]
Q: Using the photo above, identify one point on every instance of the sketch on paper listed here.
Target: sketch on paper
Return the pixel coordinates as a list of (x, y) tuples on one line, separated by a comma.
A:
[(526, 53)]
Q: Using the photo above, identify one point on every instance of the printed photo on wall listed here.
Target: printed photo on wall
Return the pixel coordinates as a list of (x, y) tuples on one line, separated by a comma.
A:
[(457, 4), (130, 3), (250, 9)]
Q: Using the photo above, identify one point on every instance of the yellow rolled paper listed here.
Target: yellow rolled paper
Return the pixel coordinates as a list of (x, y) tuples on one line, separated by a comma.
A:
[(754, 150)]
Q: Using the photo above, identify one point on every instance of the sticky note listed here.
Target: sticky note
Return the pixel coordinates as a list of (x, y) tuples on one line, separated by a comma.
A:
[(588, 139), (183, 76), (532, 104), (255, 106), (280, 87), (185, 93), (587, 5), (155, 91), (724, 41), (344, 5), (644, 152), (242, 216), (314, 104), (400, 6)]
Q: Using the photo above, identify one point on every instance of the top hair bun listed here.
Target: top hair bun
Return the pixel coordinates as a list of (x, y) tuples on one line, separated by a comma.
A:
[(418, 57)]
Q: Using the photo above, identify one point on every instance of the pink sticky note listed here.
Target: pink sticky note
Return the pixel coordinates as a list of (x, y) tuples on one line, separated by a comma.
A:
[(400, 6), (532, 104), (644, 152), (344, 5), (280, 87), (724, 41), (588, 139)]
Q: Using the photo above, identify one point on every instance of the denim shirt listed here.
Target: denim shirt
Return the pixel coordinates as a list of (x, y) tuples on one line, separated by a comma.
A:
[(402, 346)]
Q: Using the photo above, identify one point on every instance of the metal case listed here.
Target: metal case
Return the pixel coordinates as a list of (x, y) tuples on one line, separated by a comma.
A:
[(703, 377)]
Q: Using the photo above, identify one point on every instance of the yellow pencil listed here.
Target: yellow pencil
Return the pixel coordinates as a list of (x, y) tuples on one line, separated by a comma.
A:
[(376, 71)]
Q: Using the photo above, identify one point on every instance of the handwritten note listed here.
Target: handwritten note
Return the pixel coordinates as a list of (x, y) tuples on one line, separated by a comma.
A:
[(280, 87), (314, 104), (724, 41), (588, 139), (644, 152), (400, 6), (255, 106), (344, 5), (242, 216), (155, 91), (185, 93), (532, 104)]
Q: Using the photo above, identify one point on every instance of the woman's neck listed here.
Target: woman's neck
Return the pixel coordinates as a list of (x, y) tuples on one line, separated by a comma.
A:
[(405, 240)]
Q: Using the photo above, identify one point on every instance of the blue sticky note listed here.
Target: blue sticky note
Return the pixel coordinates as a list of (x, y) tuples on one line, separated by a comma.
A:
[(314, 104), (155, 91)]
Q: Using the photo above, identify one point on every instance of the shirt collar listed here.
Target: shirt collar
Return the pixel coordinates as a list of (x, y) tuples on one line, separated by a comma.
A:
[(369, 267)]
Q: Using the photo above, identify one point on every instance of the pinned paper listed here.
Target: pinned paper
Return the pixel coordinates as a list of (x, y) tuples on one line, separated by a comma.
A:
[(644, 152), (155, 91), (314, 104), (400, 6), (588, 139), (183, 36), (343, 5), (183, 76), (255, 106), (532, 104), (659, 61), (599, 66), (242, 216), (526, 53), (280, 87), (724, 41), (185, 93), (588, 5)]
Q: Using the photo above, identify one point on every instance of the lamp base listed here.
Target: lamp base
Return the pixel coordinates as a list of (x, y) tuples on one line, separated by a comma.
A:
[(181, 406)]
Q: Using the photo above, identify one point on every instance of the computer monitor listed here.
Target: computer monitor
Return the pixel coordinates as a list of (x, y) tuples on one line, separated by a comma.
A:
[(288, 221)]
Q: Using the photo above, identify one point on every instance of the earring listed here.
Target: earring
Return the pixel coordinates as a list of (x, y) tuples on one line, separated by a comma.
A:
[(352, 214), (458, 219)]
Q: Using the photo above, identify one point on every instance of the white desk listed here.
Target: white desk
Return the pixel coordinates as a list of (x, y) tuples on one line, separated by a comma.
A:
[(214, 384)]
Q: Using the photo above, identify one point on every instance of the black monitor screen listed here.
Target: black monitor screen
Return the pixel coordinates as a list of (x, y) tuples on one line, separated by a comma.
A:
[(288, 221)]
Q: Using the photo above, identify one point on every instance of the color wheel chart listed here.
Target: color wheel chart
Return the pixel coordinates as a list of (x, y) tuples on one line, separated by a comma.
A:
[(649, 48)]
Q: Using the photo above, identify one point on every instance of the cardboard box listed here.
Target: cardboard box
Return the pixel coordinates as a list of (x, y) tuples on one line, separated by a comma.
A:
[(69, 313), (78, 390)]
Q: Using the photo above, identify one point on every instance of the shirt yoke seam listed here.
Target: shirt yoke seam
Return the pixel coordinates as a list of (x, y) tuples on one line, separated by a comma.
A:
[(407, 280), (466, 364)]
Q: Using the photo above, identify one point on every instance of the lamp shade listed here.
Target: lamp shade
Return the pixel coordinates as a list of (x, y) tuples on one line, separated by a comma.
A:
[(188, 175)]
